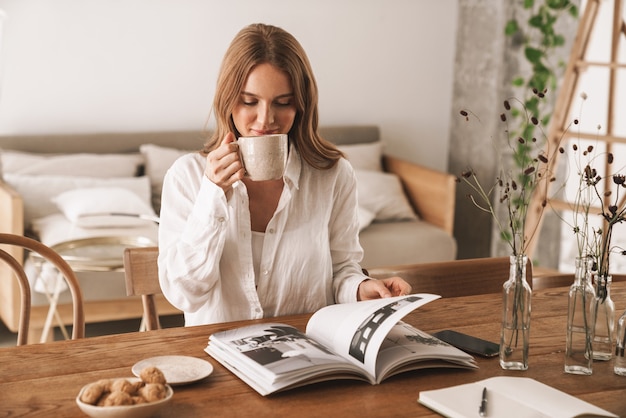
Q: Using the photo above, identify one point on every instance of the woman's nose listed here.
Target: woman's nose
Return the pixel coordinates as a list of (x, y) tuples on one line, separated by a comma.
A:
[(266, 115)]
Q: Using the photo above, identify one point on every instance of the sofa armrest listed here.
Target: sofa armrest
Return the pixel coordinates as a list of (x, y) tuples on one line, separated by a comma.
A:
[(11, 222), (12, 210), (430, 192)]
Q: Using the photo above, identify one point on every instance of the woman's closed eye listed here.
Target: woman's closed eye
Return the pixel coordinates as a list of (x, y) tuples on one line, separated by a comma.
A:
[(249, 102), (279, 103)]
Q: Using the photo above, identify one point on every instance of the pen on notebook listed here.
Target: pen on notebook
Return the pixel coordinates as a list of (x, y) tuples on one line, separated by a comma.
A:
[(482, 410)]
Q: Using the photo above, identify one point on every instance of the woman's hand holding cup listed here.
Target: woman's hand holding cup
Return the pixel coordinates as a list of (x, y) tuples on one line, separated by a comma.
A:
[(223, 164)]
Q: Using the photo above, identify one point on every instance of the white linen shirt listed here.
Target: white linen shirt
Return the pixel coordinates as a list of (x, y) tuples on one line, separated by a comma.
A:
[(310, 255)]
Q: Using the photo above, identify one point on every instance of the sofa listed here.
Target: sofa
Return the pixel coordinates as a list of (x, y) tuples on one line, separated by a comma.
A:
[(52, 188)]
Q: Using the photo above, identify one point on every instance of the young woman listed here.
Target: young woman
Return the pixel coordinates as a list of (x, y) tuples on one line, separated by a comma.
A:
[(231, 248)]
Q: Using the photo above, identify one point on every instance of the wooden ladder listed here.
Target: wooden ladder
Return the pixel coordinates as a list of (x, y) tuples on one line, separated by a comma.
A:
[(561, 118)]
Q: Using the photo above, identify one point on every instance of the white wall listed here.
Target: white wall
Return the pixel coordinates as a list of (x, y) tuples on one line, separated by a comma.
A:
[(144, 65)]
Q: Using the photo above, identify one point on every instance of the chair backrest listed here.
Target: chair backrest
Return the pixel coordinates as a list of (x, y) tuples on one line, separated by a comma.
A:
[(454, 278), (142, 278), (78, 327), (563, 279), (552, 280)]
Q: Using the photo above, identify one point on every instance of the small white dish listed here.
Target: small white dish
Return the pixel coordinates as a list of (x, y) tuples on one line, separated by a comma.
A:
[(178, 370), (128, 411)]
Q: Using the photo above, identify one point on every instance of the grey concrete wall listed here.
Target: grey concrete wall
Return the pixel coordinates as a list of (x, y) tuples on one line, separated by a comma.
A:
[(479, 67)]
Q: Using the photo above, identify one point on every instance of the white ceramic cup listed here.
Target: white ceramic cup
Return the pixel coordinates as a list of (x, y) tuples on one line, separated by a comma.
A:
[(264, 157)]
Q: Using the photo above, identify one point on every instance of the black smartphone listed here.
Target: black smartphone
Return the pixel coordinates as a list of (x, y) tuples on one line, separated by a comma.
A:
[(468, 343)]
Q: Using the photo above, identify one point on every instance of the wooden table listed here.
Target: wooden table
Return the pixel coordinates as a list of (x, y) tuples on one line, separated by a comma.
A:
[(44, 379)]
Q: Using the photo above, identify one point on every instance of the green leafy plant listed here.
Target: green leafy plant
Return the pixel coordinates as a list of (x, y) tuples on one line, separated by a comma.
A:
[(539, 41)]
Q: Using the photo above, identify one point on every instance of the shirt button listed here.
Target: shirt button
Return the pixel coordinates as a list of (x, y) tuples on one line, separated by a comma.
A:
[(221, 219), (257, 310), (266, 272), (271, 230)]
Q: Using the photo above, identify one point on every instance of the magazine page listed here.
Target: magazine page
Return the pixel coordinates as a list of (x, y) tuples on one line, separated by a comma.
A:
[(408, 348), (357, 330), (508, 396), (273, 356)]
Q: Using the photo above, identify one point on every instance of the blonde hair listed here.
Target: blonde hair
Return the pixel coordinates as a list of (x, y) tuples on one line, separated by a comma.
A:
[(259, 44)]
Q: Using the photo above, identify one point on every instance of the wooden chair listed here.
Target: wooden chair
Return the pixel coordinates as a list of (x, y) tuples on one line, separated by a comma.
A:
[(142, 278), (454, 278), (78, 328)]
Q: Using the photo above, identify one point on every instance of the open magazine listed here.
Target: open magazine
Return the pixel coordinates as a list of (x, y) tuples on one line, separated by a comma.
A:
[(361, 340)]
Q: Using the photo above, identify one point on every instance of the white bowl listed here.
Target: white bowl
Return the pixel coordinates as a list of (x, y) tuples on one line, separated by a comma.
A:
[(124, 411)]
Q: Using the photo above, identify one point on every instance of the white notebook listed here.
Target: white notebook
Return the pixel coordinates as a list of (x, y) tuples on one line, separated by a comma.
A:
[(510, 397)]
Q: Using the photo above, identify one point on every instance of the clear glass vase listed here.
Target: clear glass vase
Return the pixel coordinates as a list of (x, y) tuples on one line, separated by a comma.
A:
[(515, 331), (604, 323), (580, 321), (619, 367)]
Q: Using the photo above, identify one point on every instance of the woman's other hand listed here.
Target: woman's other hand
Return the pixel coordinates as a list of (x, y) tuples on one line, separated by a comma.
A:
[(383, 288), (223, 165)]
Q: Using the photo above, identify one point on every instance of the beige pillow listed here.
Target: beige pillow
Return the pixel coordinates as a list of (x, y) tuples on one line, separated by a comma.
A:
[(158, 160), (382, 194), (83, 165), (366, 156), (365, 217)]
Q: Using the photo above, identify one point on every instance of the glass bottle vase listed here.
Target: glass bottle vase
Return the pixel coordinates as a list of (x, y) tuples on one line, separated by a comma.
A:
[(515, 330), (604, 323), (619, 367), (580, 321)]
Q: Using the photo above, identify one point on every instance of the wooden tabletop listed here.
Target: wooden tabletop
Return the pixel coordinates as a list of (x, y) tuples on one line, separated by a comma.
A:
[(44, 379)]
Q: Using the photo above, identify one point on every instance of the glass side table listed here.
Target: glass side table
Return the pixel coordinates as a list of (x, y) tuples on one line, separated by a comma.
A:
[(97, 254)]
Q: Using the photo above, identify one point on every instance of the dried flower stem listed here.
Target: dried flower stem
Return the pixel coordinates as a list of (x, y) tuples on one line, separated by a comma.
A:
[(516, 185)]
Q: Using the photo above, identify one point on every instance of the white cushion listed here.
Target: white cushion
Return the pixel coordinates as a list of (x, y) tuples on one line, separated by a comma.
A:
[(158, 160), (365, 156), (84, 165), (104, 207), (406, 242), (381, 193), (56, 228), (366, 217), (37, 191)]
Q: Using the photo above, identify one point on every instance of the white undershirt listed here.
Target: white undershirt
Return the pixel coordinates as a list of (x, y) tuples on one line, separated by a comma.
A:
[(257, 252)]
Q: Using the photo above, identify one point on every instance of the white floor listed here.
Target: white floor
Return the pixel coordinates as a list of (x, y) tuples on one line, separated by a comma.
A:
[(8, 338)]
